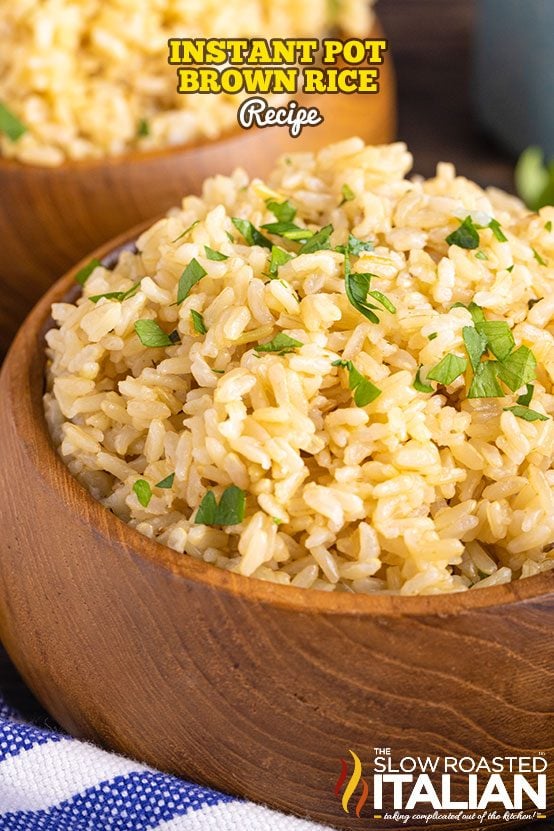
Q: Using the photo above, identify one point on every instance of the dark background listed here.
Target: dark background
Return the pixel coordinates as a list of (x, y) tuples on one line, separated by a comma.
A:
[(431, 48)]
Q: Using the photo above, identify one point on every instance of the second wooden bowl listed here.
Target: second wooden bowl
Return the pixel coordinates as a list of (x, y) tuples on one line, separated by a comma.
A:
[(51, 217), (254, 688)]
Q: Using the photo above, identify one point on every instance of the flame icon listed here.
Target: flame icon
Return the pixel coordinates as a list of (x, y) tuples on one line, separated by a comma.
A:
[(352, 784)]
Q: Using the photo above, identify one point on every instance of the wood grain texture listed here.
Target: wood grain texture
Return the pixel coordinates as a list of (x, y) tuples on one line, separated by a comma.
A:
[(51, 217), (254, 688)]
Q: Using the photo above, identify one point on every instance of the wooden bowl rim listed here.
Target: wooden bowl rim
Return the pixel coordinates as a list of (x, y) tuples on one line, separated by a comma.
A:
[(22, 378)]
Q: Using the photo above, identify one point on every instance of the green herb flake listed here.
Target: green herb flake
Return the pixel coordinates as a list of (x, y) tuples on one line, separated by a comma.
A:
[(277, 520), (10, 125), (206, 512), (84, 273), (525, 398), (383, 300), (448, 369), (418, 383), (211, 254), (432, 336), (143, 128), (190, 276), (347, 194), (288, 230), (548, 226), (518, 368), (281, 344), (533, 302), (364, 391), (120, 296), (185, 232), (480, 255), (166, 483), (198, 322), (500, 340), (475, 344), (510, 269), (143, 492), (230, 510), (496, 228), (465, 236), (282, 211), (537, 256), (318, 242), (250, 233), (355, 246), (151, 334), (485, 382), (526, 414), (278, 258)]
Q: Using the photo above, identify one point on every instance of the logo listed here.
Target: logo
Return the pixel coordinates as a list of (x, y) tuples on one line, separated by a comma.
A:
[(439, 788)]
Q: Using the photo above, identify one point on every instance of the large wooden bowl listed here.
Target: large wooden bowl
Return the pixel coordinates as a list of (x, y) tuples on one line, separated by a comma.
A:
[(51, 217), (254, 688)]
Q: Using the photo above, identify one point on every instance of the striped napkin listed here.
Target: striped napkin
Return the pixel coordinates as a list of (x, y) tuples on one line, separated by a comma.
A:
[(51, 782)]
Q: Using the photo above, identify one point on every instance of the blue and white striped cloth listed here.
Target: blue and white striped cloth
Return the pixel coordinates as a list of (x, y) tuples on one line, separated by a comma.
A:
[(51, 782)]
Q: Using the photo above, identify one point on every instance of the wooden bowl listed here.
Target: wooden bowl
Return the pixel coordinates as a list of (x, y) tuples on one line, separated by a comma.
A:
[(253, 688), (51, 217)]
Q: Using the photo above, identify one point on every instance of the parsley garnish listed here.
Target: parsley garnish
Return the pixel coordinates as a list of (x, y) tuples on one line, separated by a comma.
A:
[(190, 276), (166, 483), (143, 128), (476, 345), (526, 414), (84, 273), (537, 256), (250, 233), (120, 296), (186, 231), (198, 322), (480, 255), (281, 344), (347, 194), (214, 255), (143, 492), (518, 368), (432, 336), (485, 382), (364, 391), (278, 257), (498, 336), (10, 125), (355, 246), (418, 383), (230, 510), (151, 334), (525, 398), (548, 226), (495, 227), (465, 236), (288, 230), (318, 241), (282, 211), (448, 369)]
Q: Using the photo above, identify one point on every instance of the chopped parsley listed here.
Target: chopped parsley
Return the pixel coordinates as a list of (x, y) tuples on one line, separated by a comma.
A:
[(525, 398), (120, 296), (355, 246), (143, 492), (166, 483), (10, 124), (185, 232), (432, 336), (151, 334), (480, 255), (465, 236), (282, 211), (198, 322), (518, 368), (84, 273), (548, 226), (251, 233), (475, 344), (143, 128), (526, 414), (347, 194), (278, 258), (288, 230), (485, 382), (217, 256), (448, 369), (418, 383), (537, 256), (495, 227), (190, 276), (318, 242), (281, 344), (364, 391), (229, 511)]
